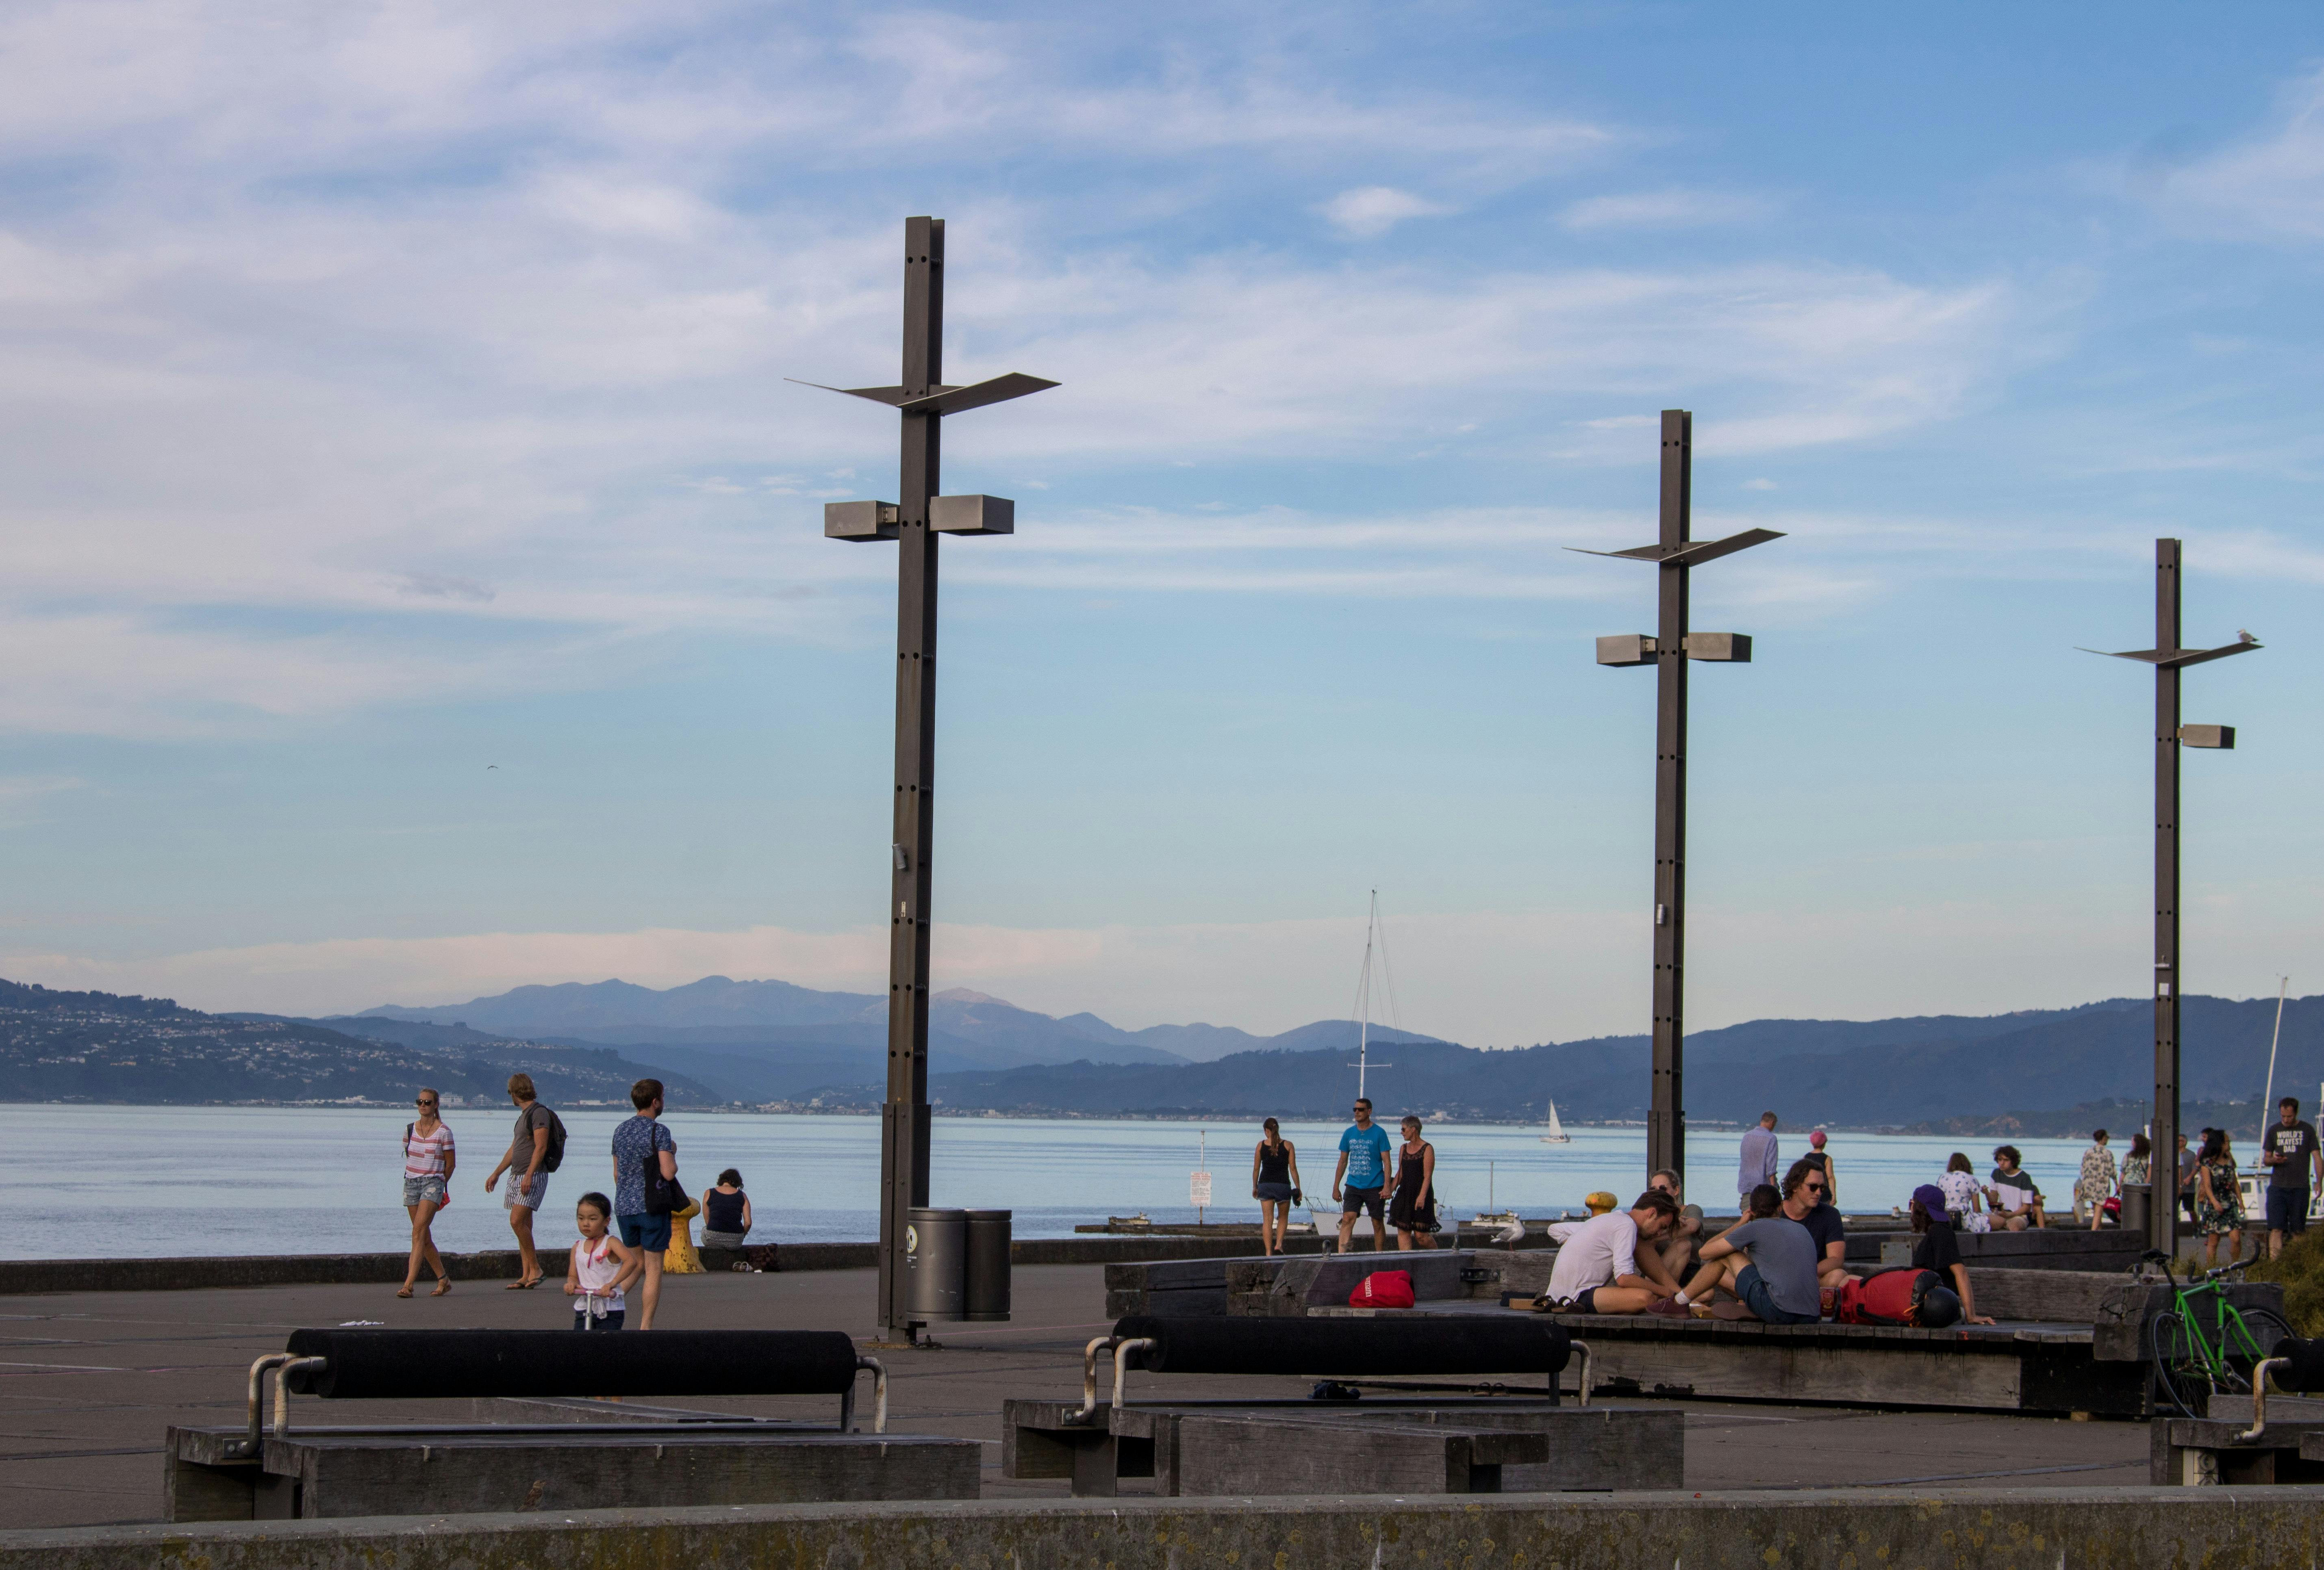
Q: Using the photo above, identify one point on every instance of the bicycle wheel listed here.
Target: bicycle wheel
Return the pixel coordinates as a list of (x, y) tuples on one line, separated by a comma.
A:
[(2181, 1382), (2246, 1347)]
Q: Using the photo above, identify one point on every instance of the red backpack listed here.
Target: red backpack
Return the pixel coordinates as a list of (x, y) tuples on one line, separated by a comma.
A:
[(1383, 1289), (1889, 1297)]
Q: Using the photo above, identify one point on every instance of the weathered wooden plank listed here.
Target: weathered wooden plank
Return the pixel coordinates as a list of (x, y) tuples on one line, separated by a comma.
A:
[(459, 1472)]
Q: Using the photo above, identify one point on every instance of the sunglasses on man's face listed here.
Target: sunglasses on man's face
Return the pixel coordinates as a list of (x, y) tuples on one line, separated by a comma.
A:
[(1815, 1189)]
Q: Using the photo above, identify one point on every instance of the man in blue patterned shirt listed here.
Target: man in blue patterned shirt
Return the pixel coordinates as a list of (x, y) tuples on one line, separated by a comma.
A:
[(640, 1137)]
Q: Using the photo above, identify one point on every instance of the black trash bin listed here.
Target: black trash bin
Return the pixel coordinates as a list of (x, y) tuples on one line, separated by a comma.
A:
[(935, 1265), (2138, 1206), (988, 1264)]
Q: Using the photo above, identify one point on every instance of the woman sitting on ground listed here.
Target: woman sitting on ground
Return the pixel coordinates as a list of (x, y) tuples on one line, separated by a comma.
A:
[(726, 1214), (1964, 1205), (1940, 1251)]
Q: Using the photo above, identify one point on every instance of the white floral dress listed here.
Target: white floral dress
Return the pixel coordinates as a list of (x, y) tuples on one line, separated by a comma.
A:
[(1960, 1203)]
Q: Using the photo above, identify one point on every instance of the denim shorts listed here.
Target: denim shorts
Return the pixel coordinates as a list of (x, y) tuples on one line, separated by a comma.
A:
[(644, 1232), (610, 1320), (1752, 1288), (2287, 1210), (428, 1190)]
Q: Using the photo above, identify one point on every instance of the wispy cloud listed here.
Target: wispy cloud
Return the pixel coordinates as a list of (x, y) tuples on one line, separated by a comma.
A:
[(1664, 210), (1369, 211), (2271, 184)]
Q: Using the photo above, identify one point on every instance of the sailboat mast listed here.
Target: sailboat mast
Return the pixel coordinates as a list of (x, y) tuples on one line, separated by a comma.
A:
[(2283, 986), (1364, 998)]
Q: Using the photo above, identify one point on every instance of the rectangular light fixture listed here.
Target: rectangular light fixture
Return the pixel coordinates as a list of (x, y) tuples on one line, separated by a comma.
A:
[(1626, 649), (2221, 736), (1726, 648), (859, 520), (973, 515)]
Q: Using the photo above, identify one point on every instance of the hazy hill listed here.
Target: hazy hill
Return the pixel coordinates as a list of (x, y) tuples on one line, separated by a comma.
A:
[(766, 1039), (96, 1047), (1872, 1073)]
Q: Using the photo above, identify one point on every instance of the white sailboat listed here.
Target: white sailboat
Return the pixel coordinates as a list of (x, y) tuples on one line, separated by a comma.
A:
[(1555, 1133)]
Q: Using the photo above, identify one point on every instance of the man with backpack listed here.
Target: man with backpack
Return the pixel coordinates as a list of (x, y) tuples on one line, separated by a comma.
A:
[(537, 1150), (645, 1188)]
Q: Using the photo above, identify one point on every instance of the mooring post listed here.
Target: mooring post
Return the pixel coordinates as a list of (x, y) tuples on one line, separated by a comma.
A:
[(914, 520)]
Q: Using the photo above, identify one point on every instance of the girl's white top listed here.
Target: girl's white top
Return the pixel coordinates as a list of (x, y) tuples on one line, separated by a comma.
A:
[(594, 1267)]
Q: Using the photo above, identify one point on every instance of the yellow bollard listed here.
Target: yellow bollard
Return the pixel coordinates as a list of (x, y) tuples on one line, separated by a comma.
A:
[(679, 1258), (1599, 1203)]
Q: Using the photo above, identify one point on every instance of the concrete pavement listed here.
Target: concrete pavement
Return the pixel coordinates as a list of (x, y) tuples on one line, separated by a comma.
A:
[(90, 1380)]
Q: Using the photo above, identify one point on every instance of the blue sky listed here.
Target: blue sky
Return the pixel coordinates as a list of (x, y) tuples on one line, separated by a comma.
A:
[(395, 391)]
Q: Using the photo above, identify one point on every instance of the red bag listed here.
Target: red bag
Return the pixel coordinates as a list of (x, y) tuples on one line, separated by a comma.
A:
[(1383, 1289), (1886, 1297)]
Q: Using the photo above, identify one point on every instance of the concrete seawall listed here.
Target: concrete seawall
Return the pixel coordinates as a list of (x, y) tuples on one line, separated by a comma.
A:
[(1994, 1529), (162, 1275)]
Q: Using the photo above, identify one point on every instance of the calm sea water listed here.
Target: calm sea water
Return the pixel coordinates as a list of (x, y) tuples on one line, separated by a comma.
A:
[(115, 1181)]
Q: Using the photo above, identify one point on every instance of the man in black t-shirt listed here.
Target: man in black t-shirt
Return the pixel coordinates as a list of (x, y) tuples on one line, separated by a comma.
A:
[(1806, 1199), (2290, 1152)]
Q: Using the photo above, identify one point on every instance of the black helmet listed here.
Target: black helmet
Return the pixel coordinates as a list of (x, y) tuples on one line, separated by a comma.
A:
[(1937, 1308)]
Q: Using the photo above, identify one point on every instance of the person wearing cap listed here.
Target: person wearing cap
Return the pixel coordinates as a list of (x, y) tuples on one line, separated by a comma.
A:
[(1822, 1158), (1938, 1251)]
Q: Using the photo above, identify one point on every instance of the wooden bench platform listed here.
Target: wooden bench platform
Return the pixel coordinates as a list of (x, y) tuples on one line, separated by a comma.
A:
[(1397, 1445), (2028, 1368), (405, 1470)]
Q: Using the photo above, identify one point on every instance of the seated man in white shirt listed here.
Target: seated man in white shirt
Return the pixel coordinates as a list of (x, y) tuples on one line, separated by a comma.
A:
[(2016, 1202), (1597, 1270)]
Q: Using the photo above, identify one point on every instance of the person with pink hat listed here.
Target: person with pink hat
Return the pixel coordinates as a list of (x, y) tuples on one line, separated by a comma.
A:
[(1822, 1158)]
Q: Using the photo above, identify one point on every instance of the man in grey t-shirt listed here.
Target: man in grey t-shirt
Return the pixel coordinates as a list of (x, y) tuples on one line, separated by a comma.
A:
[(1769, 1263)]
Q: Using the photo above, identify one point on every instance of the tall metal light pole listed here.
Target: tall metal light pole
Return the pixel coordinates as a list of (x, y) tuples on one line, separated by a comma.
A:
[(1668, 650), (914, 520), (2170, 736)]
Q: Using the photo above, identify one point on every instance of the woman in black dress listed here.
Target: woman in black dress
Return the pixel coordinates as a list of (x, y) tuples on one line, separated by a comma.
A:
[(1413, 1209), (1938, 1250), (1275, 1184)]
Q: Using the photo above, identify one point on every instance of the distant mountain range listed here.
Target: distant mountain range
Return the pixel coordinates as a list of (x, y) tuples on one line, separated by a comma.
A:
[(1884, 1072), (769, 1040), (769, 1043)]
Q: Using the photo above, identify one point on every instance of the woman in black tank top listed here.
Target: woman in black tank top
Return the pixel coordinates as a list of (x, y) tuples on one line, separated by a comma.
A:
[(1413, 1209), (1275, 1184)]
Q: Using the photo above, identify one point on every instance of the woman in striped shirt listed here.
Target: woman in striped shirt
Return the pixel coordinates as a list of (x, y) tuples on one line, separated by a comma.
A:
[(427, 1161)]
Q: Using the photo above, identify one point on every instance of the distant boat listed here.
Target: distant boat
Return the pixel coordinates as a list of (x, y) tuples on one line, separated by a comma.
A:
[(1555, 1133)]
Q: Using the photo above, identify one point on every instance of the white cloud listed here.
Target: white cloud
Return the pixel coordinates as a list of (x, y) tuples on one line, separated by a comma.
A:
[(1372, 210), (1664, 210), (2270, 185), (451, 327)]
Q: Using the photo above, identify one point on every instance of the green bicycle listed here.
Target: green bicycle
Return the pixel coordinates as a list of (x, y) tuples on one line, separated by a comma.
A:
[(2204, 1343)]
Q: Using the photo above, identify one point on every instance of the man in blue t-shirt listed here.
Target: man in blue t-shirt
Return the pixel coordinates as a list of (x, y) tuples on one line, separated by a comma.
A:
[(1363, 1163), (641, 1139)]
